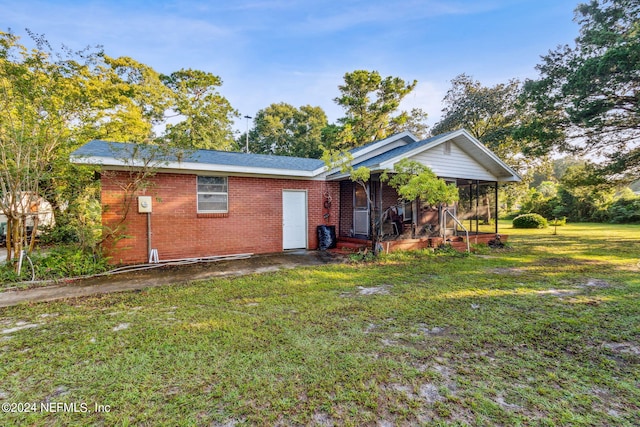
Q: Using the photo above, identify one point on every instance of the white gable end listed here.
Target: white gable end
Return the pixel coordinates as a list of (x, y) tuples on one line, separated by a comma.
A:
[(453, 164)]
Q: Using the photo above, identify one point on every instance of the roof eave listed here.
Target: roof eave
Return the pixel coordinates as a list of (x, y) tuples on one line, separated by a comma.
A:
[(383, 142), (193, 167)]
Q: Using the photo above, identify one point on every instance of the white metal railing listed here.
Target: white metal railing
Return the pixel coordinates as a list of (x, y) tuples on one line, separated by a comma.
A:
[(453, 217)]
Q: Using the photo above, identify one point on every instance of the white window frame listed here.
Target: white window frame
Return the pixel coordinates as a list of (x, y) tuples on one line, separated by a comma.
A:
[(225, 193)]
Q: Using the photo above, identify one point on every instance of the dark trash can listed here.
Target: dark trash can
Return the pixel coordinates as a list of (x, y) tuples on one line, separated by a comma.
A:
[(326, 237)]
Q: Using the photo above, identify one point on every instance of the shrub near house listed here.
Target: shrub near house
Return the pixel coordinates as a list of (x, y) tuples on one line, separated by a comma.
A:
[(530, 221)]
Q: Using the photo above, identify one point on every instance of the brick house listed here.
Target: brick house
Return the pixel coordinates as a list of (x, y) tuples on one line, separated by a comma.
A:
[(207, 203)]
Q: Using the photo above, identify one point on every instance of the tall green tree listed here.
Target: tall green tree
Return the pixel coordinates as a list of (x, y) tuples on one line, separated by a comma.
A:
[(205, 115), (43, 105), (283, 129), (125, 101), (488, 113), (370, 102), (140, 97), (587, 97), (415, 122), (492, 115), (52, 102)]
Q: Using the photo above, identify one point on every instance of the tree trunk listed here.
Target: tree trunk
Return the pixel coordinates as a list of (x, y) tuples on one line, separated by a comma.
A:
[(374, 233), (15, 238), (34, 231), (414, 218), (9, 238), (487, 203)]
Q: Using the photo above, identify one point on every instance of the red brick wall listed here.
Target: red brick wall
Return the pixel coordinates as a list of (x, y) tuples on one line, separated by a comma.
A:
[(252, 225), (389, 196), (346, 204)]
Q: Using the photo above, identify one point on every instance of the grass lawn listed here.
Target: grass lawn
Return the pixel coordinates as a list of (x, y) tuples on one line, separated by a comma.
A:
[(546, 332)]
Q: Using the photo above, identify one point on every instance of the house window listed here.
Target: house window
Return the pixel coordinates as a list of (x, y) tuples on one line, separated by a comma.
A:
[(212, 194)]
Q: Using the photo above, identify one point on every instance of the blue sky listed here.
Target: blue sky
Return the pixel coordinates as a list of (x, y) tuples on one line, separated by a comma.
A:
[(296, 51)]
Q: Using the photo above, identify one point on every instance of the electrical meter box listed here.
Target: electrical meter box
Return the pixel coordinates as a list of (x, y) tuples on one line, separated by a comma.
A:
[(144, 204)]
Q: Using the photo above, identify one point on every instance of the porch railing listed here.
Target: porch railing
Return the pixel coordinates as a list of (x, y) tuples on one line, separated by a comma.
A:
[(453, 217)]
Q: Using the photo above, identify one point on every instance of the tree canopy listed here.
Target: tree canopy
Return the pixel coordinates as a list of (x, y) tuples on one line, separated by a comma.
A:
[(415, 122), (587, 98), (134, 101), (488, 113), (206, 115), (51, 102), (370, 102), (44, 103), (283, 129)]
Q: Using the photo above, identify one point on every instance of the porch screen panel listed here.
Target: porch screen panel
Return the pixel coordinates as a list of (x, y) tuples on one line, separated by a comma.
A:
[(486, 207), (466, 205), (360, 211), (361, 222)]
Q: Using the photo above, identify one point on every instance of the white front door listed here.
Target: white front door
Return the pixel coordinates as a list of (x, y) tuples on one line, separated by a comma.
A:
[(294, 219)]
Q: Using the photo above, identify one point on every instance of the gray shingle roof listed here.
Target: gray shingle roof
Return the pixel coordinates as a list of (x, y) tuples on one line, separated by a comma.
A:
[(396, 152), (356, 150), (117, 150)]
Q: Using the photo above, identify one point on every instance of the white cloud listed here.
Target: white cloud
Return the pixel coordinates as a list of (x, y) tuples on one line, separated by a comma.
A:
[(343, 15)]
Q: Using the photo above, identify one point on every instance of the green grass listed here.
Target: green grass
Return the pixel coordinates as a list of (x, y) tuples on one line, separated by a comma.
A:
[(546, 332)]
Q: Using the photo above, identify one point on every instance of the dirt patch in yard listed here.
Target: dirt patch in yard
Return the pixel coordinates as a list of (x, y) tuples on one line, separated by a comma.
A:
[(373, 290), (623, 347), (595, 283), (376, 290), (510, 271), (18, 327), (558, 292)]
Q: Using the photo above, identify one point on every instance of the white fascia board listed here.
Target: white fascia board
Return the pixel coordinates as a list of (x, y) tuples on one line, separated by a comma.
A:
[(191, 167), (338, 177), (514, 178), (384, 142), (320, 171), (343, 175)]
